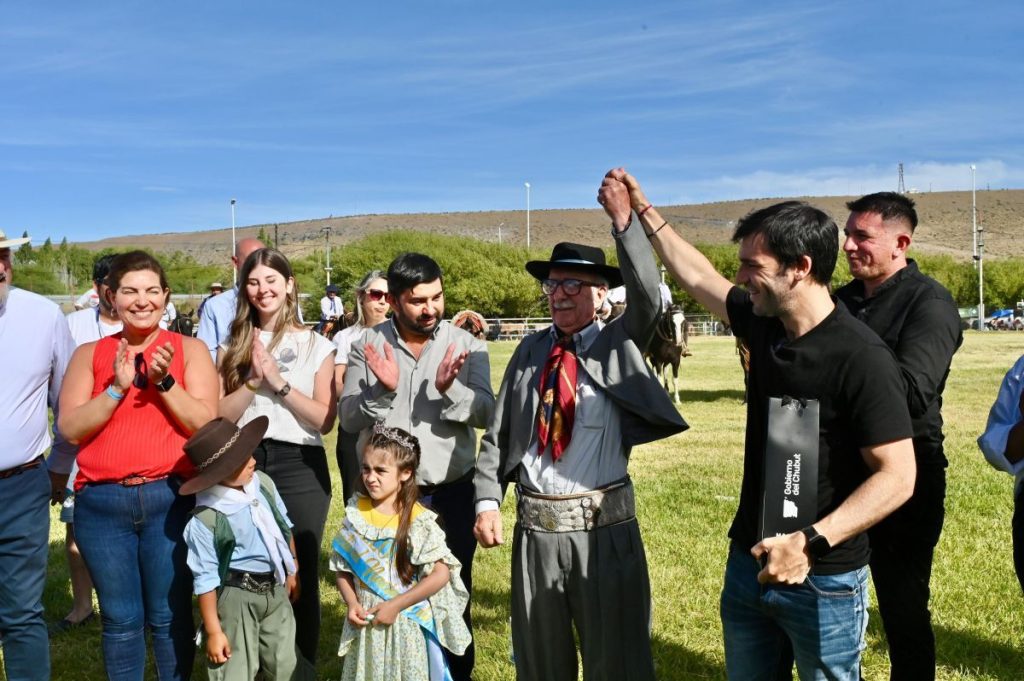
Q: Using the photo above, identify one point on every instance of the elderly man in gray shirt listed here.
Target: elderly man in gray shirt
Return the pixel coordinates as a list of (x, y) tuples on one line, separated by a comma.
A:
[(422, 374)]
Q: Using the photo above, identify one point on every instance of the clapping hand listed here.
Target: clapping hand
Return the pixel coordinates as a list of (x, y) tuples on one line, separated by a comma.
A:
[(449, 368), (384, 367), (160, 363), (124, 368), (271, 373)]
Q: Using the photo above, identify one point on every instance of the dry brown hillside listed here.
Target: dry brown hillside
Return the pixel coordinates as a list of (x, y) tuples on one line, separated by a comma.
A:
[(945, 226)]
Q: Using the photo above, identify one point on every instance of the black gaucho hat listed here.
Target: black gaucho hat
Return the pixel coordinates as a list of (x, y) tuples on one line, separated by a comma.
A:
[(219, 448), (577, 257)]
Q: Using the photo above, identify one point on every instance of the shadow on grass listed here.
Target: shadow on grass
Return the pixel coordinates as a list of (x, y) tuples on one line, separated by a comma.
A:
[(966, 651), (673, 661), (710, 395), (959, 650)]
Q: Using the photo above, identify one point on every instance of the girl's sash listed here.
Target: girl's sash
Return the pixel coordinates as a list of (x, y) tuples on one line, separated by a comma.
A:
[(371, 563)]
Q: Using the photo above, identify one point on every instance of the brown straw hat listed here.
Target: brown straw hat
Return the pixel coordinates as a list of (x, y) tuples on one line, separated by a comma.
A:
[(219, 448)]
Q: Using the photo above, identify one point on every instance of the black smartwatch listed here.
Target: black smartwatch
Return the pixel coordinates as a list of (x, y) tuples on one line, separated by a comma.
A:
[(166, 384), (817, 546)]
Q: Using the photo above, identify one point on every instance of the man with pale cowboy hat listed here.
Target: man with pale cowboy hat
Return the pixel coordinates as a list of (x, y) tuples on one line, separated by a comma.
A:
[(242, 555), (574, 401), (216, 288), (35, 346)]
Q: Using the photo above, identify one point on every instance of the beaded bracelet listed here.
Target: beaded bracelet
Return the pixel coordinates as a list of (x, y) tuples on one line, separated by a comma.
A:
[(113, 394)]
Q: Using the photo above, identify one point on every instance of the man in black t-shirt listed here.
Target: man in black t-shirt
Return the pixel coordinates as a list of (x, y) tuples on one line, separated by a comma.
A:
[(808, 586), (917, 318)]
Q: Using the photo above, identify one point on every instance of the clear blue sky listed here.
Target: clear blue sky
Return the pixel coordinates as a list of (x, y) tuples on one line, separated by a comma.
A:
[(132, 117)]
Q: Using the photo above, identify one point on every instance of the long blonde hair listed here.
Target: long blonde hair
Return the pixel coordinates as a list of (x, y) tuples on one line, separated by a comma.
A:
[(238, 357)]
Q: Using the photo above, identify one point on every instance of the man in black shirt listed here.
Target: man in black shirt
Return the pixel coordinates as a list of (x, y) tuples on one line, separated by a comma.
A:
[(808, 586), (918, 320)]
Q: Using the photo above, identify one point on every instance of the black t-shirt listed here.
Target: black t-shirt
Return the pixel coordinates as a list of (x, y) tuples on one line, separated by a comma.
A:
[(855, 378)]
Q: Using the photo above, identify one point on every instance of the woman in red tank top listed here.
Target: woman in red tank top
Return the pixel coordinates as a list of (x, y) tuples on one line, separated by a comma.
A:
[(130, 401)]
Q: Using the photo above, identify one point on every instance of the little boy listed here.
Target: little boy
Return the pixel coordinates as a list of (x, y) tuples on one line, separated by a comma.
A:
[(242, 555)]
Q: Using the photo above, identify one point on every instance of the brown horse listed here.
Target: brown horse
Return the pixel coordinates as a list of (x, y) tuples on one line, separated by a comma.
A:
[(668, 346)]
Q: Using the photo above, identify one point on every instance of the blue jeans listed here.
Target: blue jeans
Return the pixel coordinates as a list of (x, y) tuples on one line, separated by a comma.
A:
[(824, 619), (24, 544), (132, 541)]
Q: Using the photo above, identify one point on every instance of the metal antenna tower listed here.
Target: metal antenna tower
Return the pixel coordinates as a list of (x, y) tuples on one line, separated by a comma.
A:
[(902, 189)]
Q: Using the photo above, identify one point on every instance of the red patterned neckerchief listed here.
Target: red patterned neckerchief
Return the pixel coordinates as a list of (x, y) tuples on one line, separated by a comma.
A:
[(557, 409)]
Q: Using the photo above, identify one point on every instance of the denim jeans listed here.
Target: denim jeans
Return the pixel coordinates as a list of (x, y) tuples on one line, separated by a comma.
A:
[(824, 618), (132, 541), (24, 543)]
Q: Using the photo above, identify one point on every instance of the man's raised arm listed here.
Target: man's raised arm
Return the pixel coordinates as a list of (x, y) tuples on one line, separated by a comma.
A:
[(620, 193)]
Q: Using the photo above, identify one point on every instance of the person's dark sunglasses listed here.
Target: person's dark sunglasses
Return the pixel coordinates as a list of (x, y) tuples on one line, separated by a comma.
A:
[(375, 294), (141, 380), (570, 286)]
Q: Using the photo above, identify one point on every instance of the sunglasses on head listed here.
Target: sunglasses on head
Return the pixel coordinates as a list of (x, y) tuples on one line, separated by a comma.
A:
[(141, 380), (375, 294)]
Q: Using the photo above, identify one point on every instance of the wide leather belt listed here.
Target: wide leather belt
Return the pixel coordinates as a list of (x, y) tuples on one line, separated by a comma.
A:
[(256, 582), (576, 512)]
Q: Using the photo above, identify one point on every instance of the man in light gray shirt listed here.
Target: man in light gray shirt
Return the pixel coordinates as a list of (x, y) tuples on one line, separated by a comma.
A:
[(417, 372)]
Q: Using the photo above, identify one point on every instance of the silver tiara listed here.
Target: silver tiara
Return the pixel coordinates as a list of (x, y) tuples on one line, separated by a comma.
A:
[(407, 441)]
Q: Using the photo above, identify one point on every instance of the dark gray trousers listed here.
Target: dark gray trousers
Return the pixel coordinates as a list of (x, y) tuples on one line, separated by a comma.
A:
[(595, 580)]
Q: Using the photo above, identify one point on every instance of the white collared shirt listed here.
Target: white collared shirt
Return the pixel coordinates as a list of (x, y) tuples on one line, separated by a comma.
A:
[(595, 457), (35, 347)]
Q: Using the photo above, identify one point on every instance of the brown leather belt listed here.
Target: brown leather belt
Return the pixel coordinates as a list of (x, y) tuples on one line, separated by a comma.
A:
[(136, 480), (18, 470)]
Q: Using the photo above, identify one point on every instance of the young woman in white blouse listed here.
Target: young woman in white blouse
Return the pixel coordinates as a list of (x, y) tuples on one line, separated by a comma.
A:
[(273, 366), (371, 309)]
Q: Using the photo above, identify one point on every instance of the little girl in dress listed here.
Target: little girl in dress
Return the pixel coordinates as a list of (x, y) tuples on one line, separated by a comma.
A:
[(399, 579)]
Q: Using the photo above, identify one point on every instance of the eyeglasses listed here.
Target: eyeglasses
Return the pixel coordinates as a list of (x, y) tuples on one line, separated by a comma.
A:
[(570, 286), (375, 294), (141, 381)]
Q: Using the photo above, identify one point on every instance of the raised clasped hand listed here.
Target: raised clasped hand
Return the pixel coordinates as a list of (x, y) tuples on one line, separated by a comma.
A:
[(449, 368), (384, 366), (614, 198), (160, 363)]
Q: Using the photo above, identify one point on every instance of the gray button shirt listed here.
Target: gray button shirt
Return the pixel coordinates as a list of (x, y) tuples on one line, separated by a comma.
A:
[(444, 423)]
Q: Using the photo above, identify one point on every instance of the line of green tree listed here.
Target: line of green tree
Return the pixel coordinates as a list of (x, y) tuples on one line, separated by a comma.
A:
[(479, 275)]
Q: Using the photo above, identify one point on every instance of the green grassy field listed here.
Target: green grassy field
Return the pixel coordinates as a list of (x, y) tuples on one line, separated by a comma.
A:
[(687, 492)]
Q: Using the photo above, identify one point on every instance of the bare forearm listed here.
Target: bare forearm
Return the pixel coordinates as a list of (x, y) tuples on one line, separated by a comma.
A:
[(208, 611), (75, 425), (688, 266), (191, 413), (427, 587), (347, 588), (233, 405), (882, 493), (310, 412)]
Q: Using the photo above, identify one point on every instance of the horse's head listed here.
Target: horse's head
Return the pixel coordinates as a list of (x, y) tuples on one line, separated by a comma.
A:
[(672, 324)]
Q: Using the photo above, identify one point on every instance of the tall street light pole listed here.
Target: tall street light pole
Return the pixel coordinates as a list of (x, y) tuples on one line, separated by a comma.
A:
[(233, 269), (527, 184), (980, 256), (974, 217)]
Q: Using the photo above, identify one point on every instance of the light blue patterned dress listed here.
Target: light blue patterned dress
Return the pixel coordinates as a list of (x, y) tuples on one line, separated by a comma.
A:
[(399, 652)]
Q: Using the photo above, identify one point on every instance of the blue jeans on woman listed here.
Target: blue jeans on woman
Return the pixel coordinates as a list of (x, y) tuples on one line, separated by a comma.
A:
[(132, 541), (824, 618)]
